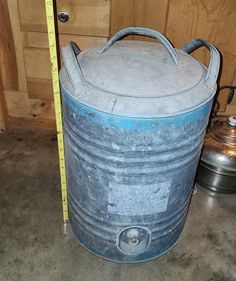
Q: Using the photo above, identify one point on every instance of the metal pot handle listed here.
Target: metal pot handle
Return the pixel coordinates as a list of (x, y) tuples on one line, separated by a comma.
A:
[(214, 64), (73, 69), (145, 32)]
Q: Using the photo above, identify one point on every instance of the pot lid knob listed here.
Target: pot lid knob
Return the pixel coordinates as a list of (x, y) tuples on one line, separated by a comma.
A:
[(232, 121)]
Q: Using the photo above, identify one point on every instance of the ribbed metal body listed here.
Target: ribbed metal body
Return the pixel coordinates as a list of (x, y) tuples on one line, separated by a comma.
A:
[(130, 180), (135, 115)]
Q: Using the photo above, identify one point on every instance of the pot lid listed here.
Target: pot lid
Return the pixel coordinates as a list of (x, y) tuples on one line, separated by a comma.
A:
[(224, 130), (140, 79)]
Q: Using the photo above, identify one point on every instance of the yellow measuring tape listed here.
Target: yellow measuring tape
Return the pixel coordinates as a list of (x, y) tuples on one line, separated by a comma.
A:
[(57, 103)]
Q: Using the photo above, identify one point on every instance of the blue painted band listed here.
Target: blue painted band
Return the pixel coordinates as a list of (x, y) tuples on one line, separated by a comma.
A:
[(79, 109)]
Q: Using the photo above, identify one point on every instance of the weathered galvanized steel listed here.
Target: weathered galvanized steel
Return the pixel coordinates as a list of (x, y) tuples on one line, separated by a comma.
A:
[(131, 165)]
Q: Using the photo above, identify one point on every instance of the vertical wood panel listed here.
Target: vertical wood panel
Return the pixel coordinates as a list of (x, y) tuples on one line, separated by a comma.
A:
[(18, 42), (150, 14), (3, 112), (122, 15), (234, 83), (32, 15), (212, 20), (8, 64)]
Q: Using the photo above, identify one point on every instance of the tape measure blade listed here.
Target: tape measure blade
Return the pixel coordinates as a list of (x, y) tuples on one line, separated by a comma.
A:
[(57, 102)]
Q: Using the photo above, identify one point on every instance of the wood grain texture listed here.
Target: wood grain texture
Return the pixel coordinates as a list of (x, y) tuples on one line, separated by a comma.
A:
[(139, 13), (40, 40), (231, 108), (38, 75), (32, 15), (18, 42), (37, 63), (212, 20), (8, 65), (31, 101), (3, 109), (87, 17), (151, 14), (20, 106), (230, 111), (122, 15), (234, 83), (40, 88), (2, 118), (83, 42), (27, 123)]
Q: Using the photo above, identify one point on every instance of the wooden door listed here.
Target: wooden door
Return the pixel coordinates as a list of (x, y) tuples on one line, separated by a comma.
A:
[(30, 100)]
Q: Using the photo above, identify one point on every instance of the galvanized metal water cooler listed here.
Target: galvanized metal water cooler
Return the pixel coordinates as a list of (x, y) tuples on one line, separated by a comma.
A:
[(135, 115)]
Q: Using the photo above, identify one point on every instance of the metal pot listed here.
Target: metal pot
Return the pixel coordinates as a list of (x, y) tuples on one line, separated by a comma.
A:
[(217, 168)]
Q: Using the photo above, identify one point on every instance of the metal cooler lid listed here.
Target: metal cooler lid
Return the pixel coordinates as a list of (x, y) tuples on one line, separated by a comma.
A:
[(140, 79)]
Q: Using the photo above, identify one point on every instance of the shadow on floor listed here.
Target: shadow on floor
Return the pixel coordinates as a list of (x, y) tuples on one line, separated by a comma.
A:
[(33, 247)]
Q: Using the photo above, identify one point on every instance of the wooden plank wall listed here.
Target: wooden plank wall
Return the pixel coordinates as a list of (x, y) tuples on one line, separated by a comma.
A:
[(184, 20), (212, 20), (142, 13), (24, 56), (8, 66), (27, 99), (3, 112)]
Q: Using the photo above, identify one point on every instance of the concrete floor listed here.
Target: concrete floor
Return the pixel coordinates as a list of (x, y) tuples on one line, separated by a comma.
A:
[(33, 248)]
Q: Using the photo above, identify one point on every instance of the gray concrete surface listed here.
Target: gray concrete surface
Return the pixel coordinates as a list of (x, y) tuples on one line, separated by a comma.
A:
[(33, 248)]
